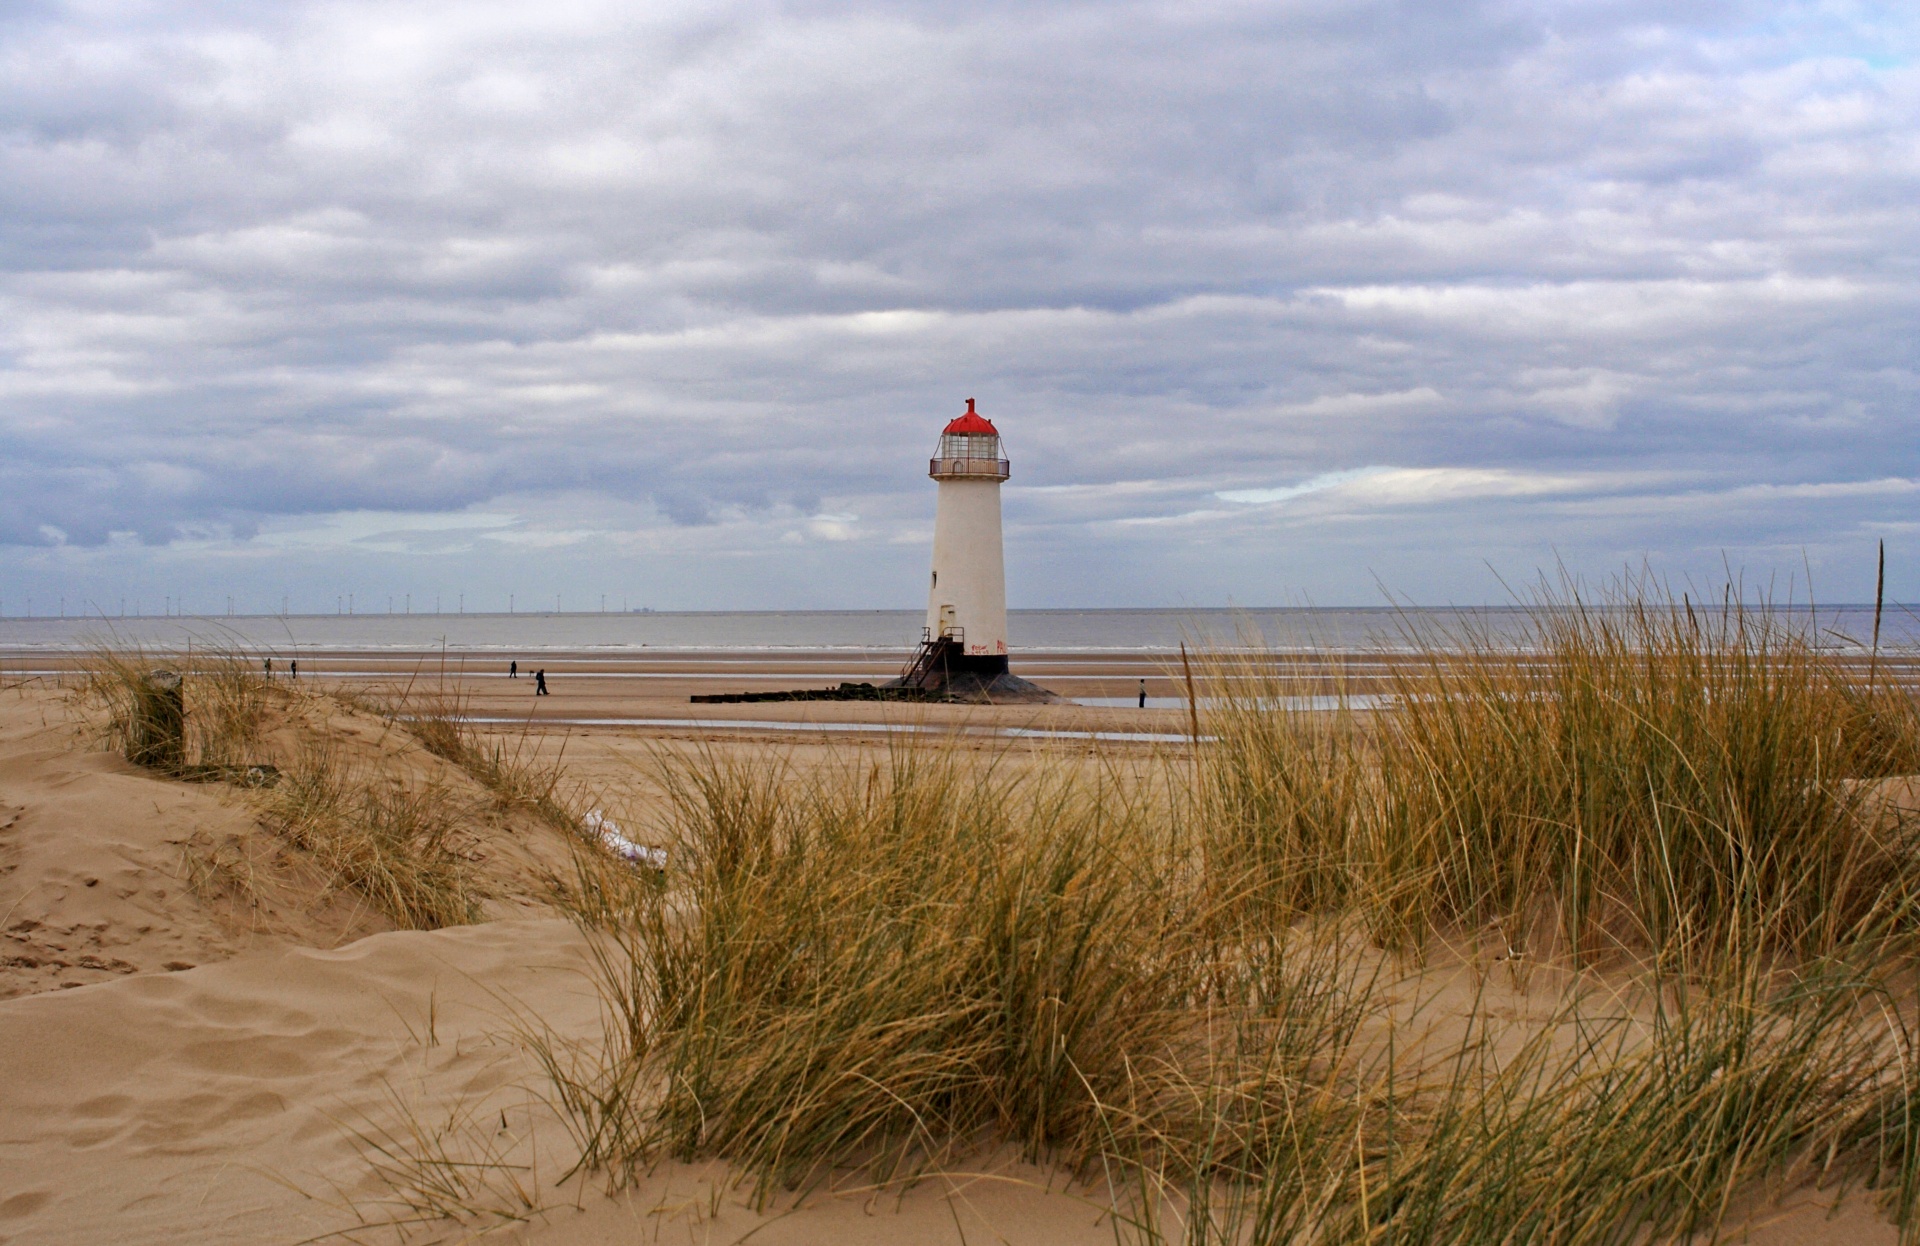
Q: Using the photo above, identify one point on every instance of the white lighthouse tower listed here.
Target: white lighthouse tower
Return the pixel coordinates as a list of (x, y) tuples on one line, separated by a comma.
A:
[(967, 598)]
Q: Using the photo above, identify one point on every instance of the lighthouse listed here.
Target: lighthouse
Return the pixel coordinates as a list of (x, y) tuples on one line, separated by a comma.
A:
[(967, 593), (963, 652)]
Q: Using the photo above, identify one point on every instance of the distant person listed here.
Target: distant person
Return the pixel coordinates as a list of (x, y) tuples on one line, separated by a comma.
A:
[(513, 670), (293, 668), (540, 684), (266, 664), (1143, 694)]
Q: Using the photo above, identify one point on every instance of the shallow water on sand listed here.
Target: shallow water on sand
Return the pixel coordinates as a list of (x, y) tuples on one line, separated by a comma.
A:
[(799, 727)]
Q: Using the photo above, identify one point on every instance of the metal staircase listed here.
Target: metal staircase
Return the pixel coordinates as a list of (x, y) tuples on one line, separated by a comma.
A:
[(929, 669)]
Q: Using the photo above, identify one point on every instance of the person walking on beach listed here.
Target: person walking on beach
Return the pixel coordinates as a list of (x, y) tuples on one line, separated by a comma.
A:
[(266, 664), (513, 670), (1143, 694), (540, 683), (293, 668)]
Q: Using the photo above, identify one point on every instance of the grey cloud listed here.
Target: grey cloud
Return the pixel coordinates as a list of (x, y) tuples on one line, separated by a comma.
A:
[(739, 260)]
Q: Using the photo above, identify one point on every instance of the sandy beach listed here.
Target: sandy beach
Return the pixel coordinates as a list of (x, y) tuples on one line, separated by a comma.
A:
[(207, 1041), (185, 1068)]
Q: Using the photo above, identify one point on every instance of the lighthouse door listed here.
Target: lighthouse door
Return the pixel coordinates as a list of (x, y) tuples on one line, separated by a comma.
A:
[(947, 624)]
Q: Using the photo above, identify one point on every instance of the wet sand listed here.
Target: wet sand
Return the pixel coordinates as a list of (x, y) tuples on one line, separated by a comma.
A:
[(648, 692)]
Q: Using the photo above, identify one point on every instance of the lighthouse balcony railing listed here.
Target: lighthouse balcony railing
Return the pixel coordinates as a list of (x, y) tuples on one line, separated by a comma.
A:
[(991, 469)]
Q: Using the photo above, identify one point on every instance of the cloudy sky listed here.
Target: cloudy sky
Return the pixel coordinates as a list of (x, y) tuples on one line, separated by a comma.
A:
[(1275, 303)]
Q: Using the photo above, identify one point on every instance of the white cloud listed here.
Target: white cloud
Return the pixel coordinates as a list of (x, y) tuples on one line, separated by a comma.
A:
[(545, 538), (833, 527), (1421, 485), (1284, 493)]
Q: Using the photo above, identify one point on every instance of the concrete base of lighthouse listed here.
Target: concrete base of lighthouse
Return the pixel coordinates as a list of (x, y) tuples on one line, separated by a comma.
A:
[(1002, 689), (943, 671), (978, 688)]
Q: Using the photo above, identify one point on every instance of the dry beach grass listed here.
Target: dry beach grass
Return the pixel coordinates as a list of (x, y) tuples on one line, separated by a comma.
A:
[(1604, 934), (1246, 985)]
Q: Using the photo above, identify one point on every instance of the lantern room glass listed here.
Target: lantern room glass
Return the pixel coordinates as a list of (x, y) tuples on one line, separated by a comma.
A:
[(969, 446), (969, 456)]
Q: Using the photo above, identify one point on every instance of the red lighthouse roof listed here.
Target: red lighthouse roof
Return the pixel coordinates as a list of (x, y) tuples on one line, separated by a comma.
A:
[(972, 422)]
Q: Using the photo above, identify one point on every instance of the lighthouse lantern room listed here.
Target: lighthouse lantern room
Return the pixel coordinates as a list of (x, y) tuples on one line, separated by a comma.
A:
[(967, 597)]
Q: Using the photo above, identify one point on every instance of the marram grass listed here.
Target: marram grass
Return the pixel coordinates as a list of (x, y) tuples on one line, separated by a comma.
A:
[(217, 714), (514, 771), (1635, 774), (883, 959), (392, 841), (1225, 984)]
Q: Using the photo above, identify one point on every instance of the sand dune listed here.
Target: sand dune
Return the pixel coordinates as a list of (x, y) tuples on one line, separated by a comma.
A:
[(206, 1064), (187, 1065), (107, 869), (219, 1105), (93, 863), (213, 1105)]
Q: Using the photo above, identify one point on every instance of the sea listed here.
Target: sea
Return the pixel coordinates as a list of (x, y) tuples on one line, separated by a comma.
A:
[(1839, 628)]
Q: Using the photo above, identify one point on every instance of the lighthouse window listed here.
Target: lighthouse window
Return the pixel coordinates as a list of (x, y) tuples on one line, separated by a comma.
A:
[(936, 580), (965, 446)]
